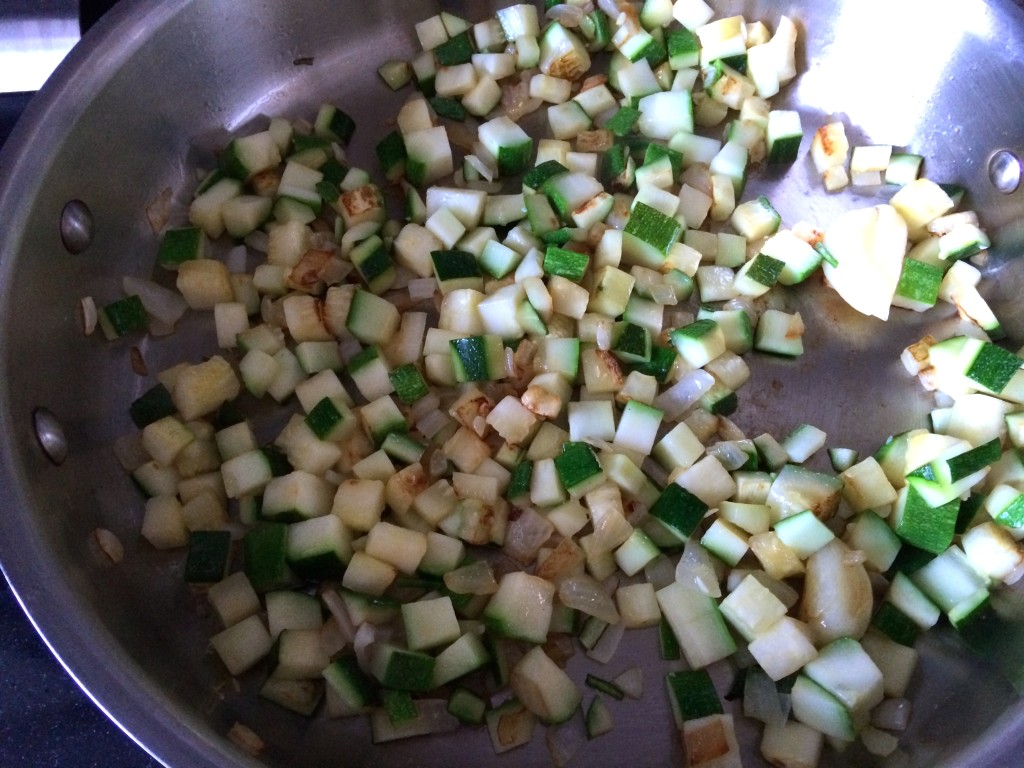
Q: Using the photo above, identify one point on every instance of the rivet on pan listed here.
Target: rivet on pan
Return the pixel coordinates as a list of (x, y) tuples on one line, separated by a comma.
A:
[(51, 436), (1004, 171), (76, 226)]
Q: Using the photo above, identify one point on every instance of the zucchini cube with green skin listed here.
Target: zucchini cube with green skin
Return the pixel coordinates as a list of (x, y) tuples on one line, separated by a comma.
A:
[(409, 383), (455, 269), (332, 123), (692, 695), (382, 417), (679, 510), (648, 236), (758, 275), (347, 679), (428, 156), (683, 48), (993, 367), (631, 343), (463, 656), (518, 490), (578, 468), (478, 358), (466, 707), (319, 549), (623, 122), (846, 671), (123, 317), (783, 135), (248, 155), (1005, 505), (154, 404), (448, 108), (918, 287), (208, 555), (699, 342), (331, 419), (402, 669), (521, 608), (297, 496), (816, 707), (183, 244), (568, 192), (755, 219), (697, 624), (572, 265), (374, 264), (804, 533), (508, 143), (266, 557), (539, 174)]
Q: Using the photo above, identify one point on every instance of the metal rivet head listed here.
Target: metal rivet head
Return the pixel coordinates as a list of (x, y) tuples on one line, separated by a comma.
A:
[(76, 226), (1004, 171), (50, 435)]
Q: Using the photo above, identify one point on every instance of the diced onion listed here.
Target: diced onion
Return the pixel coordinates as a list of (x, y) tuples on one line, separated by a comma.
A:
[(87, 314), (585, 594), (682, 395), (109, 545), (162, 303), (568, 16)]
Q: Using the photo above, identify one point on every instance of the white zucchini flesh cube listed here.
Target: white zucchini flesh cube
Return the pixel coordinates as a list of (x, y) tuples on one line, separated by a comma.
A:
[(591, 420), (992, 550), (163, 525), (494, 65), (865, 486), (401, 547), (752, 608), (920, 202), (233, 599), (544, 688), (456, 80), (783, 648), (722, 38), (692, 14), (467, 205), (522, 607), (830, 147), (300, 655), (638, 605), (896, 662), (664, 114), (430, 623), (431, 32), (243, 644), (792, 743), (165, 438), (553, 90), (368, 575), (868, 165)]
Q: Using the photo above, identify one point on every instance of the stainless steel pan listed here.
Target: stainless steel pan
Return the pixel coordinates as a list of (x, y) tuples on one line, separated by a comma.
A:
[(156, 88)]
